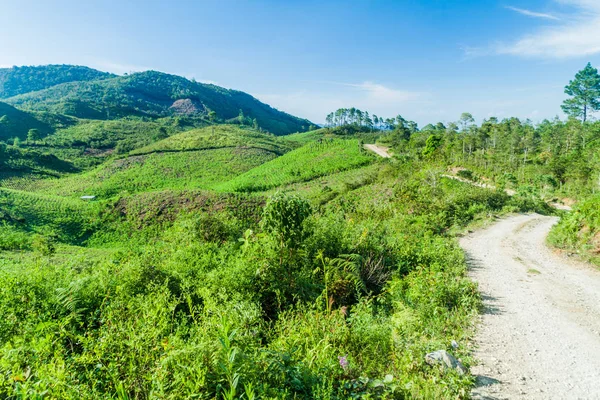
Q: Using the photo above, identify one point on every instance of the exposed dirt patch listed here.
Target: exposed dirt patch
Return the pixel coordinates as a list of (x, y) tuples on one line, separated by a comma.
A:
[(186, 107), (379, 150)]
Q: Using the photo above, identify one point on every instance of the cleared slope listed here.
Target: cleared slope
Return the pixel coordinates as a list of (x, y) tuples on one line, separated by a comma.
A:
[(308, 162), (157, 171), (71, 220), (216, 137)]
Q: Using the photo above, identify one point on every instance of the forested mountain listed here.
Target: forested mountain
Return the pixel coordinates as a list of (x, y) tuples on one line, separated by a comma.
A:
[(155, 94), (19, 80)]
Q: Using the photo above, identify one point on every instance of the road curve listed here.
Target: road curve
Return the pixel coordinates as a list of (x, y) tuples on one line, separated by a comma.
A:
[(539, 336), (379, 150)]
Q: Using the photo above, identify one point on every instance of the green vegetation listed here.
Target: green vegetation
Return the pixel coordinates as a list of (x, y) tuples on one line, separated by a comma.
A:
[(18, 80), (340, 300), (579, 231), (218, 261), (306, 163), (16, 162), (185, 170), (154, 94), (218, 136), (17, 123)]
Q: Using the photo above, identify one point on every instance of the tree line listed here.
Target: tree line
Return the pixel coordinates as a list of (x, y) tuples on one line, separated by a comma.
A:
[(356, 117), (557, 151)]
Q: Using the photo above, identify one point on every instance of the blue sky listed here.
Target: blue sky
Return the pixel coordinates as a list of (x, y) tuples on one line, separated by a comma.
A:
[(427, 60)]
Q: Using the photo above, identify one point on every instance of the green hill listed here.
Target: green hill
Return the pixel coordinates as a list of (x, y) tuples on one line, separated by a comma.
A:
[(16, 123), (306, 163), (217, 136), (199, 169), (18, 80), (155, 94)]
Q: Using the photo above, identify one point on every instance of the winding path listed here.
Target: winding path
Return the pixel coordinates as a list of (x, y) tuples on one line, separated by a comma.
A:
[(379, 150), (539, 337)]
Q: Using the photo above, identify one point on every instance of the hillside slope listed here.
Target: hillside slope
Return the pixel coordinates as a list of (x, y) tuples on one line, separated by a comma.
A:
[(16, 123), (199, 169), (19, 80), (155, 94), (303, 164), (217, 137)]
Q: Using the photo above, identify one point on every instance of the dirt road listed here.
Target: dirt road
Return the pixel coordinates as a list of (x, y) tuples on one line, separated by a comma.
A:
[(539, 337), (379, 150)]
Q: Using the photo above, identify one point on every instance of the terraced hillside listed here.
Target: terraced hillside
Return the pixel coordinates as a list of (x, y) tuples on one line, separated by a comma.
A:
[(217, 136), (311, 161)]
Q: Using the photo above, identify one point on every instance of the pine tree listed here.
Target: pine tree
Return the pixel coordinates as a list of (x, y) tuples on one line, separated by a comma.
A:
[(585, 93)]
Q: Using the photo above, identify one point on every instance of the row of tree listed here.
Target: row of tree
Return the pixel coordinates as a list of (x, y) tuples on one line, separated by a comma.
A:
[(356, 117), (562, 151)]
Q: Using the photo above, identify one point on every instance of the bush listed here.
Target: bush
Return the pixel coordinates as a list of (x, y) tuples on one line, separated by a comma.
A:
[(466, 174), (45, 245), (284, 217)]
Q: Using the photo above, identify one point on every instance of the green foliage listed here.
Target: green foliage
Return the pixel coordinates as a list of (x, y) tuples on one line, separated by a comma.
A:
[(466, 174), (17, 123), (219, 136), (19, 80), (12, 238), (154, 94), (585, 93), (306, 163), (33, 135), (45, 245), (431, 145), (284, 217), (579, 230)]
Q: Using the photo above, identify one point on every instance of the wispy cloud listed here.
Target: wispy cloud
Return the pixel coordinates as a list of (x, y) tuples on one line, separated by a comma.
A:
[(576, 36), (533, 14), (380, 93)]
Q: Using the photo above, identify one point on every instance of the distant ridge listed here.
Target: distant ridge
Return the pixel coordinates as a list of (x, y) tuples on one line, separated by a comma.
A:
[(19, 80), (86, 93)]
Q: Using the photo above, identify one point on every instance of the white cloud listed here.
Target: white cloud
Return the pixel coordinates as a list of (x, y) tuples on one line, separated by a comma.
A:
[(378, 93), (576, 36), (533, 14)]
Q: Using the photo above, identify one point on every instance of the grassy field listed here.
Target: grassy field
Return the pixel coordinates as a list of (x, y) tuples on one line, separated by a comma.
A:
[(304, 164), (216, 137), (189, 170)]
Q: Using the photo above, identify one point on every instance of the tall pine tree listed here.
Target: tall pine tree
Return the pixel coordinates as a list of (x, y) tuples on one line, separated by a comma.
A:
[(585, 93)]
